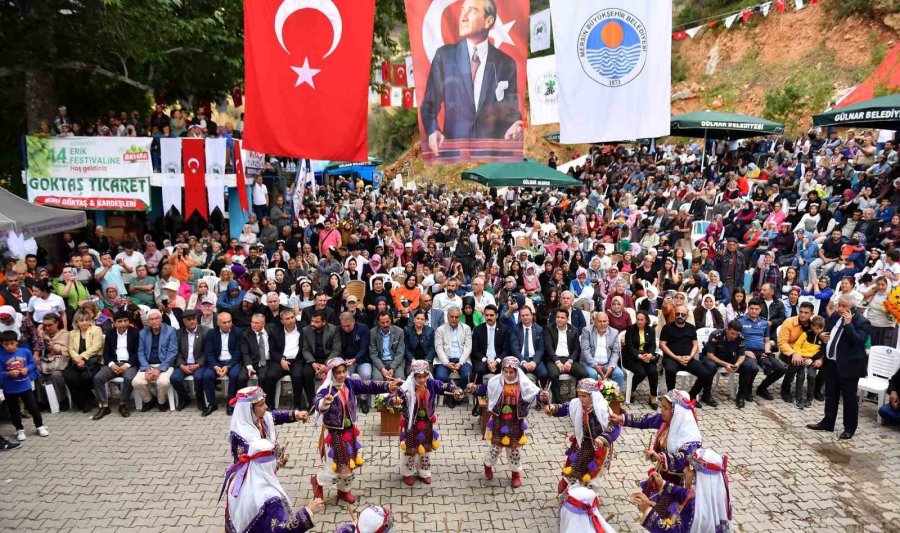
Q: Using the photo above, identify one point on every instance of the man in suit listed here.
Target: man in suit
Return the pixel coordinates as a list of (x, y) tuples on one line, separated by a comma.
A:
[(474, 79), (562, 351), (284, 348), (157, 349), (321, 304), (320, 342), (490, 344), (453, 350), (387, 349), (576, 317), (846, 332), (223, 359), (191, 360), (601, 350), (257, 356), (526, 341), (355, 350), (432, 318), (272, 310), (120, 348)]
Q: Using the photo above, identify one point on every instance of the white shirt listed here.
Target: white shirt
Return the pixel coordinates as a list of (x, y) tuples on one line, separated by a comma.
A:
[(191, 337), (601, 354), (131, 261), (562, 344), (529, 335), (122, 347), (38, 307), (482, 50), (291, 344), (225, 355), (490, 353), (260, 194), (485, 300), (173, 320)]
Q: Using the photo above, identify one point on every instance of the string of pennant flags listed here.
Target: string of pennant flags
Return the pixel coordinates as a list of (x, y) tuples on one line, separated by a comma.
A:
[(691, 29), (397, 85)]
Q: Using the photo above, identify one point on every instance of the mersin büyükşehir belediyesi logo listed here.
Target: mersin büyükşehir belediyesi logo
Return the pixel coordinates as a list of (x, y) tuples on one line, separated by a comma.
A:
[(612, 47)]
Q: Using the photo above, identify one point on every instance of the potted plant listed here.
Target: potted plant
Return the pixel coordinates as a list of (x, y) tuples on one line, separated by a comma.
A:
[(390, 416)]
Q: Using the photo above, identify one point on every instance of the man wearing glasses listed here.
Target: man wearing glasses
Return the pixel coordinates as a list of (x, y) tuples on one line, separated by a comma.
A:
[(678, 342)]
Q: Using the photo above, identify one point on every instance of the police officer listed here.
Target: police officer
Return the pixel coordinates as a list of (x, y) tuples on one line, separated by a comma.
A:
[(725, 349)]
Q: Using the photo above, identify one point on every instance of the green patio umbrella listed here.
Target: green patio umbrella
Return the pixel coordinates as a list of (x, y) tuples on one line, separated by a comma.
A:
[(528, 173), (882, 113), (716, 125)]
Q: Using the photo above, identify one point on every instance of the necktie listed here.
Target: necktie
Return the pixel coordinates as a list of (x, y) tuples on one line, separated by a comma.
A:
[(526, 350), (490, 343), (475, 64), (832, 350), (263, 349)]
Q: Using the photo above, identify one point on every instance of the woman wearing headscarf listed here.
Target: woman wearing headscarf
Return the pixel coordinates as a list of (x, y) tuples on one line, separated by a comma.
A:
[(256, 502), (592, 434), (678, 434), (470, 316), (619, 319), (153, 257), (372, 519), (252, 421), (707, 315), (374, 266), (530, 281), (580, 512), (580, 282)]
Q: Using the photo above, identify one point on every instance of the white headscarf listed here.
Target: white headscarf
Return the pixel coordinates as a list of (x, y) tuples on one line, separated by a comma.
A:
[(243, 420), (683, 428), (252, 484), (17, 320), (712, 499), (409, 388), (573, 519), (374, 518), (600, 405), (527, 389), (328, 382)]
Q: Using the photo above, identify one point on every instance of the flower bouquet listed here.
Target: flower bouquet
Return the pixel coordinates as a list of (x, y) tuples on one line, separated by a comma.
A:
[(892, 303), (613, 395)]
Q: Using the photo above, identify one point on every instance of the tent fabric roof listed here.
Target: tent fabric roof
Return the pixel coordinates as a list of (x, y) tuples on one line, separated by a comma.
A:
[(720, 125), (885, 76), (21, 216)]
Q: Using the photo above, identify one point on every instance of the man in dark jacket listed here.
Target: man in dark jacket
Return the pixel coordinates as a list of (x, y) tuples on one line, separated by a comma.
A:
[(562, 352), (731, 266), (120, 360), (191, 359), (257, 357), (223, 358)]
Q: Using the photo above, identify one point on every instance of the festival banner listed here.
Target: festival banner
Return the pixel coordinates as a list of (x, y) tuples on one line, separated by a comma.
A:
[(396, 96), (170, 157), (410, 72), (540, 31), (485, 87), (93, 194), (240, 180), (253, 161), (215, 173), (618, 57), (193, 162), (543, 90), (88, 157)]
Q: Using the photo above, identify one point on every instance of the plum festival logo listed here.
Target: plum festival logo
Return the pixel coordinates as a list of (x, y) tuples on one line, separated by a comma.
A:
[(612, 47)]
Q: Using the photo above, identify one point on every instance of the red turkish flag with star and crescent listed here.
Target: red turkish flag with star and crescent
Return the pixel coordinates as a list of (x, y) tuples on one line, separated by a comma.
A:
[(408, 102), (471, 134), (193, 164), (398, 74), (307, 77)]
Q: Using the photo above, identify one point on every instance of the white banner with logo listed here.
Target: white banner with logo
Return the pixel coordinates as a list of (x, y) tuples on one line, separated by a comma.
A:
[(172, 181), (540, 30), (215, 173), (543, 90), (88, 157), (253, 163), (614, 65), (92, 194)]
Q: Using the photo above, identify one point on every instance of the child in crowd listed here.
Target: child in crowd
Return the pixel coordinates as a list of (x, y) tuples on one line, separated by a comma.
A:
[(810, 347), (16, 372)]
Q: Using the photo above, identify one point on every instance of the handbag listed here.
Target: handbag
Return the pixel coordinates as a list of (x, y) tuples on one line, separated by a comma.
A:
[(52, 363)]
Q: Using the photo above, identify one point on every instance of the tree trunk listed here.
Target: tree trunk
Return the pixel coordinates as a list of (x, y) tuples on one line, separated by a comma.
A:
[(40, 98)]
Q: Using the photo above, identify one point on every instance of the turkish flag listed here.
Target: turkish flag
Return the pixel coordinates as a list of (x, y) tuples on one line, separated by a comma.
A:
[(780, 5), (745, 16), (240, 181), (385, 72), (236, 96), (193, 164), (386, 96), (408, 98), (306, 77), (399, 74)]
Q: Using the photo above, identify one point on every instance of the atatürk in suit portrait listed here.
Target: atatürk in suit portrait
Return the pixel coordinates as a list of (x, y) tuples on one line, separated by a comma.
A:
[(474, 82)]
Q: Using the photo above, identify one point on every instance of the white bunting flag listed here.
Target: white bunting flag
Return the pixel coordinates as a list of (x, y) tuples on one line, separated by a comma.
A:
[(798, 4), (410, 79), (730, 20), (614, 69), (764, 8), (543, 90), (693, 31), (396, 96), (215, 173), (171, 179), (540, 30), (374, 95)]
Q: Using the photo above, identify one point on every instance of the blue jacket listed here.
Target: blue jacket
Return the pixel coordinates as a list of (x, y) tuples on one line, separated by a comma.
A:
[(426, 340), (355, 345), (17, 384), (213, 346), (517, 338), (225, 302), (168, 347)]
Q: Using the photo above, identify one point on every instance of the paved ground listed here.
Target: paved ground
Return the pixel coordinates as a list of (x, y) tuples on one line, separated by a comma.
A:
[(163, 471)]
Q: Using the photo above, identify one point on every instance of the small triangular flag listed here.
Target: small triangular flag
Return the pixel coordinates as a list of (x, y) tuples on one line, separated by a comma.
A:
[(798, 4), (764, 8), (693, 31), (730, 20)]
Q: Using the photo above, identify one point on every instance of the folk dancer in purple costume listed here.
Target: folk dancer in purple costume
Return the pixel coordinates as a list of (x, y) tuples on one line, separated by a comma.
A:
[(252, 420), (677, 438), (256, 501), (418, 437), (580, 512), (335, 407), (511, 395), (702, 505), (592, 434), (372, 519)]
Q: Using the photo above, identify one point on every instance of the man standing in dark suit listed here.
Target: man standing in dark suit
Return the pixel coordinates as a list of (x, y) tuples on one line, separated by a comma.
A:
[(846, 332), (191, 360), (562, 351), (476, 81), (120, 359), (257, 356), (223, 359), (526, 342)]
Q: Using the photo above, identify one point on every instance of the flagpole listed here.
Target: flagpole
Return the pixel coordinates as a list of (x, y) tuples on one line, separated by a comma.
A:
[(703, 156)]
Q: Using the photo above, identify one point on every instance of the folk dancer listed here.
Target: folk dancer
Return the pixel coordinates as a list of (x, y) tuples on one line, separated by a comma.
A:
[(256, 501), (372, 519), (335, 406), (418, 438), (252, 420), (592, 434), (677, 438), (510, 396), (580, 512)]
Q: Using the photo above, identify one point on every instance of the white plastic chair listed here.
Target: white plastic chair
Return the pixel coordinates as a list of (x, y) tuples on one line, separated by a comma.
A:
[(396, 271), (883, 364), (698, 230), (383, 277), (278, 390), (813, 300), (703, 335)]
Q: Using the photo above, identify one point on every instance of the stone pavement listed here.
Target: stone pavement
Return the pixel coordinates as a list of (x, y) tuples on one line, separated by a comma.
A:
[(163, 472)]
